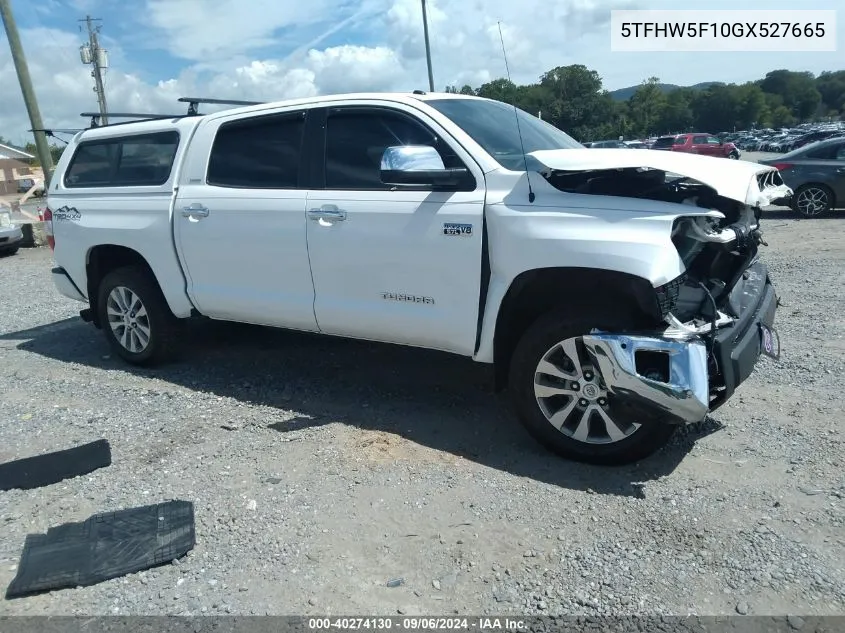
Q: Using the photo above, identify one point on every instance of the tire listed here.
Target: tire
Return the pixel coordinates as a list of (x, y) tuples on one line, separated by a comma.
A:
[(812, 200), (641, 438), (153, 339), (733, 156), (8, 252)]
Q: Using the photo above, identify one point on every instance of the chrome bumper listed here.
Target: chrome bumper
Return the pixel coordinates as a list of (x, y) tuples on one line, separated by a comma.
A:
[(682, 400)]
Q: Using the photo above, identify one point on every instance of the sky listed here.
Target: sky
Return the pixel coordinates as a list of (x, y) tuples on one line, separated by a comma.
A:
[(160, 50)]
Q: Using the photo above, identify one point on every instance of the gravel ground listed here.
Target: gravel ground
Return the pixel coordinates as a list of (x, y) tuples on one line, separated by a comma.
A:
[(321, 469)]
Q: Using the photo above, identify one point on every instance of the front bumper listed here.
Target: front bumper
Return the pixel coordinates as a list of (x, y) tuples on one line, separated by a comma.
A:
[(10, 236), (736, 348), (683, 399), (695, 384)]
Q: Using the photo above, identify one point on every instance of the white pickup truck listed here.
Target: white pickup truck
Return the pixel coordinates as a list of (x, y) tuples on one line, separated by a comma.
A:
[(617, 293)]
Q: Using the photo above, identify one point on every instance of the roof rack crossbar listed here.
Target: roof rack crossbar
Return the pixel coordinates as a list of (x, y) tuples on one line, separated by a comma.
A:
[(194, 102), (95, 116)]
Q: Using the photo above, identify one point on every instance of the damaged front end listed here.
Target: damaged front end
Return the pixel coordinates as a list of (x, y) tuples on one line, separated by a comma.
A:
[(719, 313)]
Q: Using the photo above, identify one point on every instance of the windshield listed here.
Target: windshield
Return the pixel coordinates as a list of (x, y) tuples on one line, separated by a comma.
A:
[(492, 125)]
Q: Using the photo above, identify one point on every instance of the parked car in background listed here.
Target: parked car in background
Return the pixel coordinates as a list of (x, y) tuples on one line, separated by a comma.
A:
[(615, 144), (10, 234), (697, 143), (636, 144), (816, 174)]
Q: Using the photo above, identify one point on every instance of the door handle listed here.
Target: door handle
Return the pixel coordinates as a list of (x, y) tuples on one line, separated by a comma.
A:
[(327, 212), (195, 209)]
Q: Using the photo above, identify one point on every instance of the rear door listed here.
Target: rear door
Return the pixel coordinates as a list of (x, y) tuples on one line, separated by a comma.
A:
[(826, 165), (240, 220), (699, 144), (399, 265)]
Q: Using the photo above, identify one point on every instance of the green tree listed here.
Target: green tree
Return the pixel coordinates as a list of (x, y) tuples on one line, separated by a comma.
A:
[(831, 86), (678, 115), (798, 90), (500, 90), (577, 102), (55, 152), (647, 108), (782, 117)]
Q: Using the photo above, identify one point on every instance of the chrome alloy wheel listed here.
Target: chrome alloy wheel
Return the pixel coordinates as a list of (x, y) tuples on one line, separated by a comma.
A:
[(812, 201), (573, 397), (128, 319)]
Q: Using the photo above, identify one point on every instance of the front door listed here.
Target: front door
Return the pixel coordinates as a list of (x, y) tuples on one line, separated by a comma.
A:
[(240, 221), (400, 265)]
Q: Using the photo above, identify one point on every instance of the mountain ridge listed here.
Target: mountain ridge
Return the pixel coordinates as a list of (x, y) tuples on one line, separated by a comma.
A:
[(623, 94)]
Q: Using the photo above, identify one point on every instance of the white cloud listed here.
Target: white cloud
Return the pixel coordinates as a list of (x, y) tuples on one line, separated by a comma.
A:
[(209, 30)]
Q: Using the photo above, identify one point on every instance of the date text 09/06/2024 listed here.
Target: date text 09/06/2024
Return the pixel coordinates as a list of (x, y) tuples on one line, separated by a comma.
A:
[(417, 624)]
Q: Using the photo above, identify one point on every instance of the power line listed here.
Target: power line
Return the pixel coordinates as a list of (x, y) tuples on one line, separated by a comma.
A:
[(92, 53)]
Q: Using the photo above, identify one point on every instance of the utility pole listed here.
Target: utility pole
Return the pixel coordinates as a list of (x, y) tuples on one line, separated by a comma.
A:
[(22, 69), (427, 49), (91, 53)]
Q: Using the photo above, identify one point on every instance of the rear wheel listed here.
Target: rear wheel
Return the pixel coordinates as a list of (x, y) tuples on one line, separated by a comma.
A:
[(563, 401), (135, 318), (812, 201), (9, 251)]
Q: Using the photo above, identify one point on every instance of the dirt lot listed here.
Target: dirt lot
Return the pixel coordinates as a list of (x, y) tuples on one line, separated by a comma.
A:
[(321, 469)]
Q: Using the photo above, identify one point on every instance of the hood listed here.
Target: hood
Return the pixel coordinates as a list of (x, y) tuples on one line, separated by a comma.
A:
[(750, 183)]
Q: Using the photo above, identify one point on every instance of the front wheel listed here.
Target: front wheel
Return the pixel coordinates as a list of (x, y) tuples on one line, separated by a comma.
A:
[(734, 155), (563, 402), (135, 318)]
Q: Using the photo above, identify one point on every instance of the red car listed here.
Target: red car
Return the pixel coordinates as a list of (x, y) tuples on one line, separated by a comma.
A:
[(697, 143)]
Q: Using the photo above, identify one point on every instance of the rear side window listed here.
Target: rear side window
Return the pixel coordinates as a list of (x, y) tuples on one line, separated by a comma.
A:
[(139, 160), (680, 140), (258, 153), (832, 151), (665, 141)]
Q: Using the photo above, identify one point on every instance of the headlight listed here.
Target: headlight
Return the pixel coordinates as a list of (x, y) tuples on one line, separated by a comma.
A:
[(5, 219)]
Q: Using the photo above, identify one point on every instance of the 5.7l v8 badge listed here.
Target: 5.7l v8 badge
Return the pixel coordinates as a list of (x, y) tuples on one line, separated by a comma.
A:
[(450, 228)]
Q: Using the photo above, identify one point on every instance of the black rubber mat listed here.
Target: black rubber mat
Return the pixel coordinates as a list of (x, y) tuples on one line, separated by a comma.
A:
[(43, 470), (104, 546)]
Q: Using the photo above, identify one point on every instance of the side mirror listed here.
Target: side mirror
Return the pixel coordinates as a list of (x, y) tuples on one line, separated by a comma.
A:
[(417, 165)]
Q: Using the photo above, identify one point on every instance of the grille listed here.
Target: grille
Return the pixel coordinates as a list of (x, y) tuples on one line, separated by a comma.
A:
[(667, 295)]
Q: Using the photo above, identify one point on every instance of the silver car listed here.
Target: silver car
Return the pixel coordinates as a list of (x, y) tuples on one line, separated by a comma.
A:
[(816, 173), (10, 234)]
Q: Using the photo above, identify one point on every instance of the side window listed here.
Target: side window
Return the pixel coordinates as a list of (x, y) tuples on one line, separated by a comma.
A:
[(356, 139), (712, 140), (828, 152), (680, 140), (146, 160), (258, 153), (139, 160), (699, 140), (91, 165)]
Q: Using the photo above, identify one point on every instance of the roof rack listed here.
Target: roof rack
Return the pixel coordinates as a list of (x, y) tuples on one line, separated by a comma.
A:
[(193, 103), (95, 117)]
